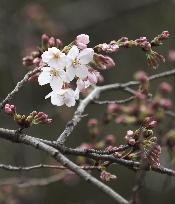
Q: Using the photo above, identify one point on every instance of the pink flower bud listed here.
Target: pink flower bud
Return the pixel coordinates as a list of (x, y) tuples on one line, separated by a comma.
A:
[(92, 76), (81, 85), (110, 139), (113, 108), (109, 48), (83, 38), (171, 56), (92, 122), (40, 118), (141, 76), (106, 176), (103, 62), (59, 43), (165, 88), (140, 96), (164, 35), (45, 38), (37, 61), (51, 42), (130, 133), (131, 141), (149, 123), (9, 109), (85, 146), (166, 103), (123, 39)]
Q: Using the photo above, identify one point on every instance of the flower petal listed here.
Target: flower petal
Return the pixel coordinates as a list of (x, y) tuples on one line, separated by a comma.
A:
[(56, 83), (73, 52), (86, 56), (69, 101), (44, 78), (70, 73), (81, 72), (49, 95), (57, 99)]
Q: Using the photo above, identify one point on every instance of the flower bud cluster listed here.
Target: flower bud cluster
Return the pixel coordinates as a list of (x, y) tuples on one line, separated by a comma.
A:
[(158, 40), (24, 121), (142, 106)]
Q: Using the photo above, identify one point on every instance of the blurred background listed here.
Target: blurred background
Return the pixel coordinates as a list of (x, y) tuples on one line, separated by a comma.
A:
[(22, 23)]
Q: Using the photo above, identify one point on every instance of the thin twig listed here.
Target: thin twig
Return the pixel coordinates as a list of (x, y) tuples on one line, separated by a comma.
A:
[(95, 94), (31, 182), (41, 166), (18, 86), (115, 101)]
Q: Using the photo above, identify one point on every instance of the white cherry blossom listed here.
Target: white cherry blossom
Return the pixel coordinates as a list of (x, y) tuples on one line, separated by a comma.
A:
[(54, 57), (63, 96), (77, 62), (53, 76)]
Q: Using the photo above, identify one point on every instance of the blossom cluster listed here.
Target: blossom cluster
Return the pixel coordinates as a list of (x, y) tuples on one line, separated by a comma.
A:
[(67, 68), (71, 69)]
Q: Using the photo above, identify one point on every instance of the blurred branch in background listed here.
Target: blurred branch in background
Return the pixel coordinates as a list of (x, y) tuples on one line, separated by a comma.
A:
[(95, 11)]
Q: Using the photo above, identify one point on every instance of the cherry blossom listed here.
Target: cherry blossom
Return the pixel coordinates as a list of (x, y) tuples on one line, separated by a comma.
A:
[(91, 79), (82, 41), (54, 57), (77, 62), (64, 96), (53, 76)]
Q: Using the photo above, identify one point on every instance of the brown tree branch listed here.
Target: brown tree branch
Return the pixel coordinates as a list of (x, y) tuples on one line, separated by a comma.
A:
[(54, 153), (11, 135)]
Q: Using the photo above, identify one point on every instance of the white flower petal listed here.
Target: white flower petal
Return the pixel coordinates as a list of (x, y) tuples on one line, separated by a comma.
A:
[(73, 52), (62, 74), (46, 69), (70, 73), (57, 63), (81, 72), (49, 95), (44, 78), (46, 56), (57, 99), (56, 83), (69, 101), (86, 56), (53, 50)]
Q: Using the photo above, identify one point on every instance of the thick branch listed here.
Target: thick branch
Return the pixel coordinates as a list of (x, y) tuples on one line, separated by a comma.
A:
[(11, 136), (64, 161)]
